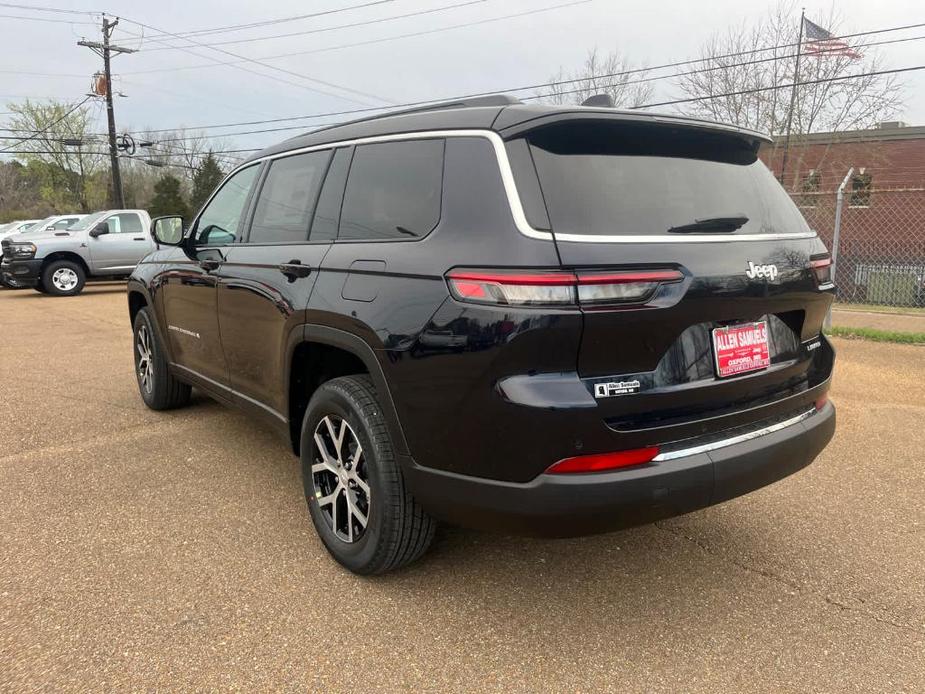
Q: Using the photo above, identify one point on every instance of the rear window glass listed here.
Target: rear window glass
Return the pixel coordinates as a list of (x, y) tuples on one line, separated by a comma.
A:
[(621, 180), (393, 191)]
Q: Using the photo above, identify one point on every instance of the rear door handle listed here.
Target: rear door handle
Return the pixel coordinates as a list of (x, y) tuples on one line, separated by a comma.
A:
[(209, 264), (139, 238), (294, 269)]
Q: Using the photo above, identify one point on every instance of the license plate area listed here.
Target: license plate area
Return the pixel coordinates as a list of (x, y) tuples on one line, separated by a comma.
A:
[(741, 348)]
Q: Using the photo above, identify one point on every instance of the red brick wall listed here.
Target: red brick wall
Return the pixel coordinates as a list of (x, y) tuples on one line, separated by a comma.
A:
[(890, 231)]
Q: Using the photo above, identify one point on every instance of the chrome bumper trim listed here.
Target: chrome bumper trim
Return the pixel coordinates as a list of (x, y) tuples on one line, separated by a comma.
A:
[(732, 440)]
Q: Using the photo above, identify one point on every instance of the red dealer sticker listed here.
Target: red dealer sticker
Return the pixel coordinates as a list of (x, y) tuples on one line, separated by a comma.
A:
[(741, 348)]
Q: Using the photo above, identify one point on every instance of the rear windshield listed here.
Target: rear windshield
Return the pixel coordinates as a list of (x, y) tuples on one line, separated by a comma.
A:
[(619, 179)]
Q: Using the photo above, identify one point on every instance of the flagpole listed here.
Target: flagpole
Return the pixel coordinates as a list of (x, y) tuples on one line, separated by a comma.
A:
[(793, 95)]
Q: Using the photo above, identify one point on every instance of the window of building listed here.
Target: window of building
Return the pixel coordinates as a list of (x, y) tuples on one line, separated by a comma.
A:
[(860, 190), (393, 191), (287, 198)]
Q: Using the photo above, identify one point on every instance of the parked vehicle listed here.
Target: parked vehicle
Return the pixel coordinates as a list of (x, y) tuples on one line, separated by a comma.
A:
[(47, 224), (59, 259), (550, 320), (16, 227)]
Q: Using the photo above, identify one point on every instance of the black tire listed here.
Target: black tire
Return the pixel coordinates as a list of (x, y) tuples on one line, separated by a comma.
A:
[(161, 390), (40, 288), (398, 531), (63, 278)]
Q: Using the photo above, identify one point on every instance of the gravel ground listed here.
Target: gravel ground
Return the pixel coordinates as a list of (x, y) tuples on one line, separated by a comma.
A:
[(141, 550)]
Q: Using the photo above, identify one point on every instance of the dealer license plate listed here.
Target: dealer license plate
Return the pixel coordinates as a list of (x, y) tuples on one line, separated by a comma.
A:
[(741, 348)]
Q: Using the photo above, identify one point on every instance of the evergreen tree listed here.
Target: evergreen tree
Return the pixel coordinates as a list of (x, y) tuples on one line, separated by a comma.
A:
[(205, 180), (168, 198)]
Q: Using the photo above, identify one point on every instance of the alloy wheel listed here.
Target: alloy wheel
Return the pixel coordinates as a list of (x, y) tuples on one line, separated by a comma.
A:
[(145, 361), (64, 279), (340, 478)]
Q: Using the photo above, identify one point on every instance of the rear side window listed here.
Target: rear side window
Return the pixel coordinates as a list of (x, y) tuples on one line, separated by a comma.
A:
[(126, 223), (620, 179), (393, 191), (287, 198), (327, 212)]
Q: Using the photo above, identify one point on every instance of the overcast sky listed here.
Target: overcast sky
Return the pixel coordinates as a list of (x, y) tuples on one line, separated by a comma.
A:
[(488, 56)]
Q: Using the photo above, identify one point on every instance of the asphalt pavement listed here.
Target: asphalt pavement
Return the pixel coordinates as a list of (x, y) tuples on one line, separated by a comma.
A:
[(143, 550)]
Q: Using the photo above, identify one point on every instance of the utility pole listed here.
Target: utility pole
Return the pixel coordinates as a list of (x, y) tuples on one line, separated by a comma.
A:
[(105, 50), (793, 95)]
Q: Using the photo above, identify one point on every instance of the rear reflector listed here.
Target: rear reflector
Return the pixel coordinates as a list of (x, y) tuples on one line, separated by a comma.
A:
[(820, 403), (604, 461), (557, 288)]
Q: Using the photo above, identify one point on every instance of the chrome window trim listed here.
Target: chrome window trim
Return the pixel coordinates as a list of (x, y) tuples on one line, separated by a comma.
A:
[(732, 440), (513, 197)]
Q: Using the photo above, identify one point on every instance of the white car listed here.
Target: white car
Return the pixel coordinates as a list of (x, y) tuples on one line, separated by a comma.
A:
[(16, 227)]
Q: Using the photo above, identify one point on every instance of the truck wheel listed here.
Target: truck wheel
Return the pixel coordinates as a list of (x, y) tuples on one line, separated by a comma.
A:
[(159, 389), (63, 278), (355, 489)]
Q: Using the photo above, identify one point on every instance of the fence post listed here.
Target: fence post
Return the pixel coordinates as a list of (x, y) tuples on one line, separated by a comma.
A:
[(839, 200)]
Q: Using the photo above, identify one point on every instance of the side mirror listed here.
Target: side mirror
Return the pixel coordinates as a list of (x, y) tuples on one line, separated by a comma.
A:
[(99, 230), (167, 230)]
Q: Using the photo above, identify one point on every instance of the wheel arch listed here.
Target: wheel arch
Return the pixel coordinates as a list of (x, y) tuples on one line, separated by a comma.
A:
[(66, 255), (341, 353)]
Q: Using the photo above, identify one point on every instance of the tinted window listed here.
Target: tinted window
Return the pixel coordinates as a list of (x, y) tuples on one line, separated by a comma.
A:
[(287, 198), (393, 190), (219, 222), (626, 180), (327, 214)]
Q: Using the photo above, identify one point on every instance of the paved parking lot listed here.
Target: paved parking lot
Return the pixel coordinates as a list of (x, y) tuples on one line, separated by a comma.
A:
[(150, 551)]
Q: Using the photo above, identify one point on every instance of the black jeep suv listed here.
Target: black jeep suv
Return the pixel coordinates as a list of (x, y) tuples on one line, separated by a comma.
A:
[(545, 320)]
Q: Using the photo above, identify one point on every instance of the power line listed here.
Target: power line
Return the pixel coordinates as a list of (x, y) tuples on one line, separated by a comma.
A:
[(352, 25), (510, 89), (49, 126), (269, 22), (265, 65), (385, 39), (740, 92), (43, 19), (39, 8), (561, 82)]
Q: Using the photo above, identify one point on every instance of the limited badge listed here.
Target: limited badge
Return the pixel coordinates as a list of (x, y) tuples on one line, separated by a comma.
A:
[(609, 390)]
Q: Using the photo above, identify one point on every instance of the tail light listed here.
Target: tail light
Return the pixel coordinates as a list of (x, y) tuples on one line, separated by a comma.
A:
[(556, 288), (602, 462), (822, 269)]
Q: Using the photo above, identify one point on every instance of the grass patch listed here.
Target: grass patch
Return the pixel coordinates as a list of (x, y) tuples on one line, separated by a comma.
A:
[(877, 308), (878, 335)]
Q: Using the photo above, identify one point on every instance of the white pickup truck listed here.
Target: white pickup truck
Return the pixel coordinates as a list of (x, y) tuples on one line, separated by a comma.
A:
[(105, 244)]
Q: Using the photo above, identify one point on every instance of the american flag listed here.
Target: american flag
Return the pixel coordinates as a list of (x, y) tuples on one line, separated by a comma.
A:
[(820, 42)]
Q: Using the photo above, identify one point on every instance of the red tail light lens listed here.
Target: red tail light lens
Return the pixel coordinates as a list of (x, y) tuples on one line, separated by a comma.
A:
[(557, 288), (822, 269), (602, 462)]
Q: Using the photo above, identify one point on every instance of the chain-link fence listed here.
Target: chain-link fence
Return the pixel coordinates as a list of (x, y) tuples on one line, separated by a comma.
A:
[(878, 243)]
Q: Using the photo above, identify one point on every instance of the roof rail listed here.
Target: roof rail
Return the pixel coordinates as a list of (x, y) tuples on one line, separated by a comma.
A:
[(490, 100)]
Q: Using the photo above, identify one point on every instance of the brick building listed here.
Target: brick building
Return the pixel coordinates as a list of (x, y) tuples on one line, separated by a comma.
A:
[(881, 254)]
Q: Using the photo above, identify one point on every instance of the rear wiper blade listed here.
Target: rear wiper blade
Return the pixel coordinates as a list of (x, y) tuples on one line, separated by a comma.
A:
[(712, 224)]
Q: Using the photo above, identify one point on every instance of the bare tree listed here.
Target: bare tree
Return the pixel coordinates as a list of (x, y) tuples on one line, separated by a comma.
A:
[(184, 150), (748, 78), (612, 74)]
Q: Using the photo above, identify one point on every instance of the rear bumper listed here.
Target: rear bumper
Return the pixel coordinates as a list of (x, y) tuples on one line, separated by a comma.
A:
[(24, 273), (569, 505)]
